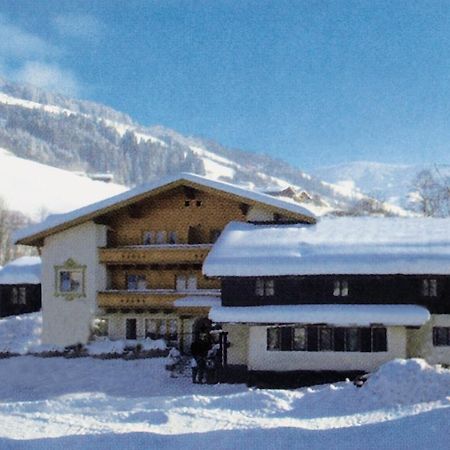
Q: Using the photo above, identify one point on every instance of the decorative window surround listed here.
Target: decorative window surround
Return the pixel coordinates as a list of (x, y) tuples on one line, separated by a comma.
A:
[(70, 280)]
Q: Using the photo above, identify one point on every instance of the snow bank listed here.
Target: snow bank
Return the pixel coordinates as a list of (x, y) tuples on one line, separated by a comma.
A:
[(22, 335), (408, 381), (102, 346), (24, 270), (350, 245), (340, 315)]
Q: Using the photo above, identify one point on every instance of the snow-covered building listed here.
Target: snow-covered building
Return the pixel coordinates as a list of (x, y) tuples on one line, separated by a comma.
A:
[(20, 286), (135, 260), (345, 294)]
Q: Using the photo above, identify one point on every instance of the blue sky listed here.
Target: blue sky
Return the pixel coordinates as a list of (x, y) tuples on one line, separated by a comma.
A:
[(312, 82)]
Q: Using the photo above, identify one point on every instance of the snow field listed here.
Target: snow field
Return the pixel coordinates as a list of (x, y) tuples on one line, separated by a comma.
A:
[(80, 403), (89, 403)]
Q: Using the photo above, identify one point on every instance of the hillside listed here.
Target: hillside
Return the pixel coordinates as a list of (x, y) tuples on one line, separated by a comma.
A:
[(393, 183), (83, 136), (36, 189)]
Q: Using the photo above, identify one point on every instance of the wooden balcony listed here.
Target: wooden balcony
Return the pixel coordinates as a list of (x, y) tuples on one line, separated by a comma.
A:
[(148, 299), (155, 254)]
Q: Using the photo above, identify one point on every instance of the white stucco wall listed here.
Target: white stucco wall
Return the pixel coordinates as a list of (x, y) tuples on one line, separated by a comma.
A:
[(421, 341), (261, 359), (238, 339), (68, 322)]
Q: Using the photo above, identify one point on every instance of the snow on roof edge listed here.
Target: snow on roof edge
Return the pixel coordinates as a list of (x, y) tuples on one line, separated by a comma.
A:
[(332, 314), (23, 270), (59, 219)]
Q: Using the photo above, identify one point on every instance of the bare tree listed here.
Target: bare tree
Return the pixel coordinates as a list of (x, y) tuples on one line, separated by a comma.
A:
[(432, 194), (11, 221)]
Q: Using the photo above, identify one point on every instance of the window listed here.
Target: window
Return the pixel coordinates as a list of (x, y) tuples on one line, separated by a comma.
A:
[(340, 288), (429, 287), (14, 296), (214, 235), (187, 203), (161, 237), (149, 237), (198, 203), (161, 329), (173, 238), (136, 282), (264, 287), (186, 282), (315, 338), (70, 280), (441, 336), (22, 296)]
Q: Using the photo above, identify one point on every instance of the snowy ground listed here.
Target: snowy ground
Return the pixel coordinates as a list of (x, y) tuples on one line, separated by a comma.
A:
[(88, 403)]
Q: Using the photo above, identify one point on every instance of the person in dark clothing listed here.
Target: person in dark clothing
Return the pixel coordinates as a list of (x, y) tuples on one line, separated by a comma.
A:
[(199, 351)]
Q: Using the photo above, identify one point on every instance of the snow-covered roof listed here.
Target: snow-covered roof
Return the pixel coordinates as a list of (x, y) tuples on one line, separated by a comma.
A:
[(197, 302), (54, 222), (338, 315), (356, 245), (24, 270)]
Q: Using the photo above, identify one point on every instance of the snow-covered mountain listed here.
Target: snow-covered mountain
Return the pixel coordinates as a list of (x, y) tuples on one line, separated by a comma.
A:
[(392, 183), (83, 136)]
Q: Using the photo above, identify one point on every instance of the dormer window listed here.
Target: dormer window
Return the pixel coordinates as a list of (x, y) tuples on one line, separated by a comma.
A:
[(340, 288), (264, 287), (429, 287)]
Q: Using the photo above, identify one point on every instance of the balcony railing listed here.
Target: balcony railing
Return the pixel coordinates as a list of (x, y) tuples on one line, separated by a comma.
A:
[(155, 254), (148, 299)]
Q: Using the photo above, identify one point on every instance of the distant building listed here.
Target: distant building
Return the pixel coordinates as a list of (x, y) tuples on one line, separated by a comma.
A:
[(20, 286)]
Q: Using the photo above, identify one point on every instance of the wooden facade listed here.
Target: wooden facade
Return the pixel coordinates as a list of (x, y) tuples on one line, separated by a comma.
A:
[(18, 299), (362, 289)]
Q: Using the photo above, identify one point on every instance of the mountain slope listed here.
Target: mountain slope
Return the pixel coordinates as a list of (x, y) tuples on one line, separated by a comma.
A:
[(83, 136), (35, 189)]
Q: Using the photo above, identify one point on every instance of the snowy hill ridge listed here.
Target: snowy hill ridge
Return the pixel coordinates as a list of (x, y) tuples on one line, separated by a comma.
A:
[(84, 136), (393, 183)]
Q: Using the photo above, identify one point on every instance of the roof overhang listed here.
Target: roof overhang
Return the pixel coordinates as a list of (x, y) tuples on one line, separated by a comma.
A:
[(35, 234)]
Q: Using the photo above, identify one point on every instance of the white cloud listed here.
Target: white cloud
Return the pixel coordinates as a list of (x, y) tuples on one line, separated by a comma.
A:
[(49, 76), (27, 58), (15, 42), (79, 25)]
